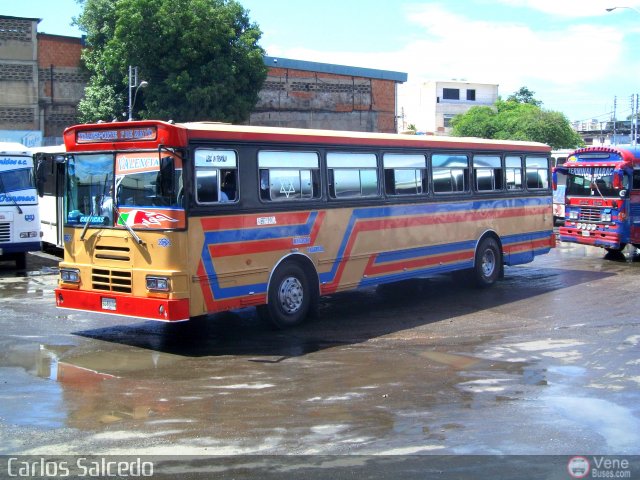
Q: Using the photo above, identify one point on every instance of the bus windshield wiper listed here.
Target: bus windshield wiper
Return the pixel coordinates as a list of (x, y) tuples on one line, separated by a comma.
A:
[(135, 236), (86, 225), (13, 200)]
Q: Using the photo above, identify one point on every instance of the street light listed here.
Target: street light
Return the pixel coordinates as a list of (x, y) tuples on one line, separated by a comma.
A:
[(611, 9), (133, 83)]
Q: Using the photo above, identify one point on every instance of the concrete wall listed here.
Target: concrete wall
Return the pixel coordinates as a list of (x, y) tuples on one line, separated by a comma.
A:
[(18, 74)]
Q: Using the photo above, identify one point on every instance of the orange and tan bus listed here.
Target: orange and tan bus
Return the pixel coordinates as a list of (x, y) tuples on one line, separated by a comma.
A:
[(173, 221)]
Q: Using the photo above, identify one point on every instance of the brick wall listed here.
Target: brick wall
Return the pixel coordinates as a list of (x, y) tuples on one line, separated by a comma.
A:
[(306, 99), (58, 50)]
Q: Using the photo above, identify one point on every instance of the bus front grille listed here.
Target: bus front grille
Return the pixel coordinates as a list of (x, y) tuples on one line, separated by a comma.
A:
[(590, 214), (5, 232), (111, 280)]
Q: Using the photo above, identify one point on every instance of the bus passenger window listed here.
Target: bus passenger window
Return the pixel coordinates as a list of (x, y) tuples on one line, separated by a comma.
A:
[(289, 175), (450, 173), (513, 173), (352, 175), (405, 174), (537, 172), (216, 177), (487, 172)]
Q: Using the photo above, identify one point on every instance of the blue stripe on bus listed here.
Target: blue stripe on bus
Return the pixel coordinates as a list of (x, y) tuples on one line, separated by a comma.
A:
[(275, 232)]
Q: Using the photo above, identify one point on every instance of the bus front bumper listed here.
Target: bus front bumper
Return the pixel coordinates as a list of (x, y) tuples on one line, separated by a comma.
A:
[(595, 238), (162, 309)]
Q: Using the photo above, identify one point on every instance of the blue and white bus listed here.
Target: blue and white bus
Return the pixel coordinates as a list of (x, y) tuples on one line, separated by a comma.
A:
[(19, 218)]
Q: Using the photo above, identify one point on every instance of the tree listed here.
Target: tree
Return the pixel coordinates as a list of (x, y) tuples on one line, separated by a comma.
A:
[(201, 59), (520, 117), (524, 95)]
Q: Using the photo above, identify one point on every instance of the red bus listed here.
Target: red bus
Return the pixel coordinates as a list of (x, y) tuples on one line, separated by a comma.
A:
[(172, 221), (602, 197)]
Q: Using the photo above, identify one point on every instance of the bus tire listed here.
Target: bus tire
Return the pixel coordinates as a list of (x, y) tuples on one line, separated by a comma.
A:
[(488, 263), (289, 296)]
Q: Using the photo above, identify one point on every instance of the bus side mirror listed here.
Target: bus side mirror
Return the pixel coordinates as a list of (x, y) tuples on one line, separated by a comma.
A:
[(165, 182), (41, 176), (554, 180)]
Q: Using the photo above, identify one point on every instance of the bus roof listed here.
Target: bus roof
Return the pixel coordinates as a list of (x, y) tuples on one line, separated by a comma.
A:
[(14, 148), (113, 135), (604, 156)]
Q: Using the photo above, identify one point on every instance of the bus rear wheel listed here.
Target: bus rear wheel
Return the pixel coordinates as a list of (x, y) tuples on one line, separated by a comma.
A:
[(289, 296), (488, 263)]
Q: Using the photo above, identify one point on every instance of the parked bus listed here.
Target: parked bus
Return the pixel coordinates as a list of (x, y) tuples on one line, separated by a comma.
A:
[(49, 164), (173, 221), (19, 221), (602, 197)]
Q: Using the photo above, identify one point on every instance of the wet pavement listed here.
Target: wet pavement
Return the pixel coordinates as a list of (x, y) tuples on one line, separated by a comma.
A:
[(545, 362)]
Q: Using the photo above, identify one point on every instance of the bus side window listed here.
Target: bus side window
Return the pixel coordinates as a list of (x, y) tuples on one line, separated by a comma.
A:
[(352, 175), (450, 173), (636, 179), (405, 174), (513, 173), (216, 176), (288, 175), (537, 173), (487, 171)]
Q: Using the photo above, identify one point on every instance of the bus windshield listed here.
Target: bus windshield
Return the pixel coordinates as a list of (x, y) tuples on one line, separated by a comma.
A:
[(14, 181), (96, 183), (586, 182)]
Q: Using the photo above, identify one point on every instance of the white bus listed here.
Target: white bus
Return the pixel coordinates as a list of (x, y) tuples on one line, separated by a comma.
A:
[(19, 217)]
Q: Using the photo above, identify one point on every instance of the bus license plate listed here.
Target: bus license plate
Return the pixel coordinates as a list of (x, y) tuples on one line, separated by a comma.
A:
[(585, 233), (108, 303)]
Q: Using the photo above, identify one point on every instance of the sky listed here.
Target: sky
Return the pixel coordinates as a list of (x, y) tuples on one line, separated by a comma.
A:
[(573, 54)]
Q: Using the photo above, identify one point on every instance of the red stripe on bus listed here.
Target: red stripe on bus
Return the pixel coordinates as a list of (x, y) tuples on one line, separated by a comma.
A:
[(372, 269), (251, 221)]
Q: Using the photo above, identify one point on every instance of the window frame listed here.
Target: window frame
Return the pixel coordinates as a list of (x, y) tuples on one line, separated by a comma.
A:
[(216, 164), (412, 164), (365, 161), (269, 165)]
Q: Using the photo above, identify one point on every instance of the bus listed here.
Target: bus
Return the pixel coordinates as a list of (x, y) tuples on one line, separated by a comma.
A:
[(19, 220), (49, 164), (602, 197), (171, 221)]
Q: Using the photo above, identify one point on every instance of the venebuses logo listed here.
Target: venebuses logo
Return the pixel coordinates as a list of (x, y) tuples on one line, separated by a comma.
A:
[(578, 467)]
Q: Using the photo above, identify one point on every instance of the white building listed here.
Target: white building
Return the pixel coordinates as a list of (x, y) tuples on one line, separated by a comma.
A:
[(431, 105)]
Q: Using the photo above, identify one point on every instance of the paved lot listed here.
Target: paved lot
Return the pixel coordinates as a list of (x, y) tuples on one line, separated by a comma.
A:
[(546, 362)]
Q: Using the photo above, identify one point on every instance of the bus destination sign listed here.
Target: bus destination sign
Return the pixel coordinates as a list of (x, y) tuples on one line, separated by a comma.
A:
[(117, 135)]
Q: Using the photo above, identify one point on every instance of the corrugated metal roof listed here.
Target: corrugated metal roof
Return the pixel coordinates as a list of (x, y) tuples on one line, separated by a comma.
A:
[(335, 69)]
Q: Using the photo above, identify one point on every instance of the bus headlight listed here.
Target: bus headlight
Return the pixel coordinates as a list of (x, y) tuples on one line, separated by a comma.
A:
[(573, 215), (28, 234), (605, 217), (158, 284), (70, 275)]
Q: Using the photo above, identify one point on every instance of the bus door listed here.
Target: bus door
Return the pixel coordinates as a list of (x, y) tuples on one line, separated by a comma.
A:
[(50, 172), (634, 209)]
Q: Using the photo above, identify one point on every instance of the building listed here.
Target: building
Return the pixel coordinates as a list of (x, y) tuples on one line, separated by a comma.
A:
[(319, 95), (42, 82), (430, 106)]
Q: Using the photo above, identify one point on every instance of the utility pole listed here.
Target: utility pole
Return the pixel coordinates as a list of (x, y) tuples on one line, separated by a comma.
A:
[(615, 103), (133, 83)]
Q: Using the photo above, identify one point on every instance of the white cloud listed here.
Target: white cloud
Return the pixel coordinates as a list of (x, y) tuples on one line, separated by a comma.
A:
[(558, 60)]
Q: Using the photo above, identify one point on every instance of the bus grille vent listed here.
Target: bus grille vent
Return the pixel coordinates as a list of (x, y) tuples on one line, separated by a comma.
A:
[(112, 253), (590, 214), (5, 232), (111, 280)]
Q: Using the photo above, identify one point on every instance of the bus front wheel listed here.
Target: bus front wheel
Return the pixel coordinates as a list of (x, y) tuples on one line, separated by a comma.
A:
[(289, 296), (488, 262)]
